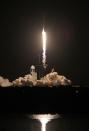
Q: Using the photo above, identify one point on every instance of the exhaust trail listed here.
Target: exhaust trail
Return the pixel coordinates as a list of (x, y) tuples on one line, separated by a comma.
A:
[(44, 39)]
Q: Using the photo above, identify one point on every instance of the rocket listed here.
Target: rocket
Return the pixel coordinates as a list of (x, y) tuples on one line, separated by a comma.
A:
[(44, 40)]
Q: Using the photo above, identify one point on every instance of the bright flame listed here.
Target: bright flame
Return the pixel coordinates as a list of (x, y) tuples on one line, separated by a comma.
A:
[(44, 48)]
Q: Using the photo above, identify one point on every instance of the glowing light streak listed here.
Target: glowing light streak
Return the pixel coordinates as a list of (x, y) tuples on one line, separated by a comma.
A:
[(44, 119), (44, 48)]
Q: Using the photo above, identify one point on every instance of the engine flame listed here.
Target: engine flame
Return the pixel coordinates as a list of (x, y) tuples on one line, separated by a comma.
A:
[(44, 48)]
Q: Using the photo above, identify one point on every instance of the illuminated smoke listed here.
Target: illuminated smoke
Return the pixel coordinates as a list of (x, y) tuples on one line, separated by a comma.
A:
[(44, 48), (5, 82), (51, 79)]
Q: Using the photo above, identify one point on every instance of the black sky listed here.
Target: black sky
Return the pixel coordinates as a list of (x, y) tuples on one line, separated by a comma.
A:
[(66, 25)]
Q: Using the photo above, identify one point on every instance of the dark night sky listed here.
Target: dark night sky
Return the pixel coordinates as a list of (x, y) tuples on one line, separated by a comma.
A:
[(66, 25)]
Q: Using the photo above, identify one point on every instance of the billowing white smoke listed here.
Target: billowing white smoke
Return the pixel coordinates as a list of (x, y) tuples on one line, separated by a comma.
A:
[(53, 79), (50, 80), (4, 82), (27, 80)]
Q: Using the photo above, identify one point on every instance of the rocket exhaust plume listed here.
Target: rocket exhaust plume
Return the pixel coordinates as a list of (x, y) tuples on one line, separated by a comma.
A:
[(44, 48)]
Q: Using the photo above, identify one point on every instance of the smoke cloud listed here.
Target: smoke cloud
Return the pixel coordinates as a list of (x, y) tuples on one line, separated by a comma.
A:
[(50, 80), (53, 79), (4, 82), (27, 80)]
